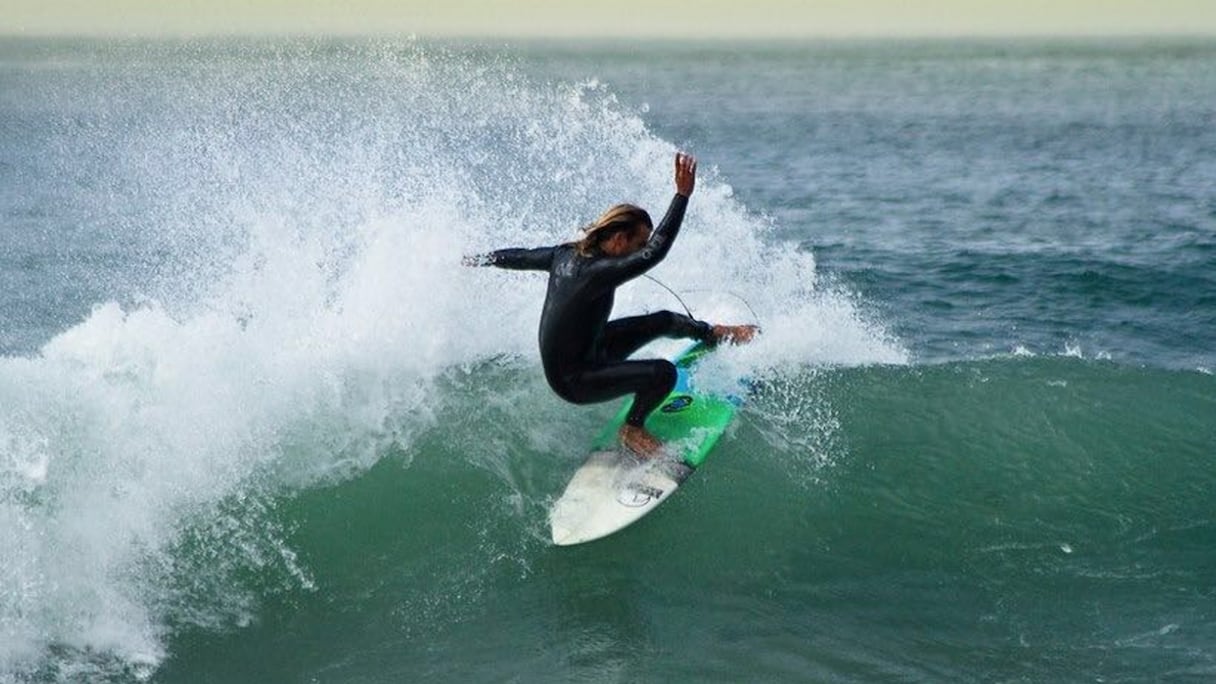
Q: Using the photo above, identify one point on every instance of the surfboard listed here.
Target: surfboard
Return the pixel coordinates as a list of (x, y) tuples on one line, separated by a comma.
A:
[(614, 488)]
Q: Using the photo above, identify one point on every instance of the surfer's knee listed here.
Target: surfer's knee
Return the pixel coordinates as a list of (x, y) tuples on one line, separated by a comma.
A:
[(666, 372), (661, 376), (667, 319)]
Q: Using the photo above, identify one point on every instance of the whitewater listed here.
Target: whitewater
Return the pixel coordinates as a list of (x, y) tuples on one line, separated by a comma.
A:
[(257, 423), (307, 307)]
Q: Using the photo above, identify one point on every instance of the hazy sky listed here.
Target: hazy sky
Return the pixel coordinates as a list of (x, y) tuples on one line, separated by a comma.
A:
[(584, 18)]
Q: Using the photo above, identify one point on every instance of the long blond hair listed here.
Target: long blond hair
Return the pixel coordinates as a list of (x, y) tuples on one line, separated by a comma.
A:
[(618, 218)]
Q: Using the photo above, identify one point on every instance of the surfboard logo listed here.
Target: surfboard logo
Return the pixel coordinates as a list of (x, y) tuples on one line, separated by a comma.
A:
[(638, 495), (677, 404)]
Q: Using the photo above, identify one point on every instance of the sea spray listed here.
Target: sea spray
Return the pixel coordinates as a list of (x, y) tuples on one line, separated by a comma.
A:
[(299, 307)]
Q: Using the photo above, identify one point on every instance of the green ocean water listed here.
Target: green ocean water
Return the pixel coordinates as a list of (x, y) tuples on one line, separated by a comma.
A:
[(258, 425), (992, 521)]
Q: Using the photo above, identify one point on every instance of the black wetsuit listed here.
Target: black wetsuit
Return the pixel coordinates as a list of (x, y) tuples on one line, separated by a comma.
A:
[(584, 354)]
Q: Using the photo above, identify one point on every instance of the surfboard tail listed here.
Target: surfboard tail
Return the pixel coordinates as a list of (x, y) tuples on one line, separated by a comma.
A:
[(612, 490)]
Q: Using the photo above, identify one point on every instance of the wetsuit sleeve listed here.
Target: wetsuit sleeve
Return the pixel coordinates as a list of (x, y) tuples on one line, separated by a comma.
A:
[(612, 271), (538, 259)]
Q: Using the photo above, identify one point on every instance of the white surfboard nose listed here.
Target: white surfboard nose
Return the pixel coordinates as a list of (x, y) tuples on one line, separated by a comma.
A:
[(613, 490), (563, 536), (610, 491), (587, 530)]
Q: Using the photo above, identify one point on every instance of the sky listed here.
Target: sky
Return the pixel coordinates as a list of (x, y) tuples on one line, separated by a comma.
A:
[(622, 18)]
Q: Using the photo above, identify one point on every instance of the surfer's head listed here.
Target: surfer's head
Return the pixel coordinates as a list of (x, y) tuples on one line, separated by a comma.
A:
[(620, 231)]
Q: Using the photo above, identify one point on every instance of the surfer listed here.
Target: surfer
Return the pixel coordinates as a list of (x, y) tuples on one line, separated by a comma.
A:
[(585, 355)]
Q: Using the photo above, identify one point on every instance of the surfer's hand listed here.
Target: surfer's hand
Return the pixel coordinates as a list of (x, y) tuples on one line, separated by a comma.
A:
[(686, 173), (734, 334), (475, 260)]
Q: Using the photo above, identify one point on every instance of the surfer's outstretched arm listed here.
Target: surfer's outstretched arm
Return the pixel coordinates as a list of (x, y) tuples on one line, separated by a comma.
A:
[(538, 259)]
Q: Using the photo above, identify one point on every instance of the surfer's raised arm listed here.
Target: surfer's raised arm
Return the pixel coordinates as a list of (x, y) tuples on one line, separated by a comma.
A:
[(518, 259), (686, 174), (632, 257), (630, 263)]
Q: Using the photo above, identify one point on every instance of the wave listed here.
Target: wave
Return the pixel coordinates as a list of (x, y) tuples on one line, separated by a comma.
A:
[(877, 491), (307, 320)]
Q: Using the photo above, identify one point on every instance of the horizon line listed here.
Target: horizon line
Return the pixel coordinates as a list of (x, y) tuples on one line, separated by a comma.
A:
[(606, 38)]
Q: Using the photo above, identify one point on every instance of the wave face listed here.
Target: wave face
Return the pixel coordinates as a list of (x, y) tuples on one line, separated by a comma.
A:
[(1020, 518), (287, 363), (258, 424)]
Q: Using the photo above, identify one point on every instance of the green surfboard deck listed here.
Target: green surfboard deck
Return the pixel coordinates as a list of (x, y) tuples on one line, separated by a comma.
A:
[(688, 421)]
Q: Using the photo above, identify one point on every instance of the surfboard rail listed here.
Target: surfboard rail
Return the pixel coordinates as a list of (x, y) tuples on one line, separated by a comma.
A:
[(613, 488)]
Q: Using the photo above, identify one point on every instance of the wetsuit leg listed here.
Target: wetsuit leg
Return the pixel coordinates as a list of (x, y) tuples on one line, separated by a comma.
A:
[(624, 336), (651, 381)]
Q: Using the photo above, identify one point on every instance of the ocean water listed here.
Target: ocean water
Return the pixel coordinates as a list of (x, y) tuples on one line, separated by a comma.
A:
[(258, 425)]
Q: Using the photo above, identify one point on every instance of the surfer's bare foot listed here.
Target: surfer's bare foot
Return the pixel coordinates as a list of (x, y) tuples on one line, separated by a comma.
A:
[(639, 441), (734, 334)]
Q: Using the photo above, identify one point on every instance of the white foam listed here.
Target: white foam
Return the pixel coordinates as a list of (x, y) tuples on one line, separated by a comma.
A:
[(316, 293)]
